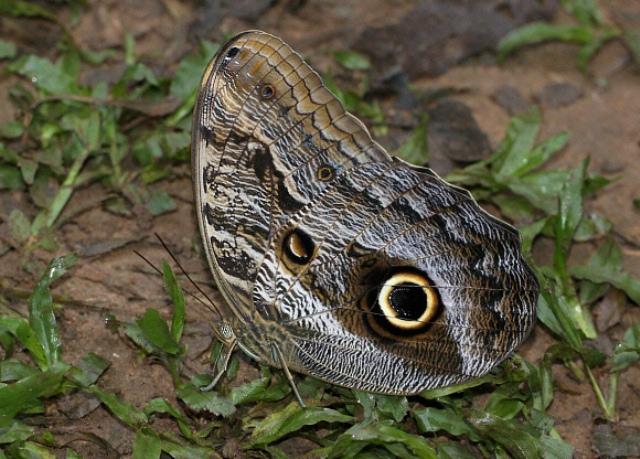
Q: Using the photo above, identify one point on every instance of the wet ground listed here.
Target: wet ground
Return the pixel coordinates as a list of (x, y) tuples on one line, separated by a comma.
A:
[(600, 111)]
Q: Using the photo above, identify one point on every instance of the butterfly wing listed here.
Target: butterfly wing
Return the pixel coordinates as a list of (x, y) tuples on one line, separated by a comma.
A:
[(365, 271)]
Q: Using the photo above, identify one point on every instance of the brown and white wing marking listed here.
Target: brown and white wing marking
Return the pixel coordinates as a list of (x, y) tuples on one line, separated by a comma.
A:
[(265, 127)]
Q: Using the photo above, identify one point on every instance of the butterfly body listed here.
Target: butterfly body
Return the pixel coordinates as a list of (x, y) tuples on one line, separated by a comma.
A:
[(336, 259)]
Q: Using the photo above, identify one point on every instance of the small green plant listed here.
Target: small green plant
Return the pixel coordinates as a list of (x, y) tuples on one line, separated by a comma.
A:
[(590, 33)]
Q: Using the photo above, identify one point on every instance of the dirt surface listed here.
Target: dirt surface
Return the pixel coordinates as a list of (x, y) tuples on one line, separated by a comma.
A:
[(110, 283)]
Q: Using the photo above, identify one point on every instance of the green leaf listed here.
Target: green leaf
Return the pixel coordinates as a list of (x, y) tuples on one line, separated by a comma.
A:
[(89, 369), (260, 389), (11, 129), (538, 32), (160, 202), (210, 401), (383, 433), (52, 78), (14, 432), (157, 332), (31, 450), (186, 80), (627, 350), (146, 446), (291, 419), (513, 153), (124, 411), (19, 225), (10, 178), (19, 327), (7, 49), (415, 149), (605, 266), (434, 419), (41, 317), (22, 395), (585, 11), (511, 436), (19, 8), (13, 370), (352, 60), (177, 297)]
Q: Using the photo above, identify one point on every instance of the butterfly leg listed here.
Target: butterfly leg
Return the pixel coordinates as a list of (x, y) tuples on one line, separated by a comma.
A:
[(276, 351), (229, 348)]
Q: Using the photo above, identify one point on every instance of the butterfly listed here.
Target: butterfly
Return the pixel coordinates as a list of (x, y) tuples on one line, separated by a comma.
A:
[(336, 259)]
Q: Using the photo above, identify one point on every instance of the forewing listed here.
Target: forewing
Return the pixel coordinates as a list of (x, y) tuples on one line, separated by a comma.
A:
[(267, 137)]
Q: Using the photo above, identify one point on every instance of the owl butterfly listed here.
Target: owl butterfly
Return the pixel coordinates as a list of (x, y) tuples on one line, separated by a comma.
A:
[(336, 259)]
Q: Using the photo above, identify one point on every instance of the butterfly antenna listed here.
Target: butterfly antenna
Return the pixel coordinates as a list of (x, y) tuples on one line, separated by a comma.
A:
[(189, 292), (197, 287)]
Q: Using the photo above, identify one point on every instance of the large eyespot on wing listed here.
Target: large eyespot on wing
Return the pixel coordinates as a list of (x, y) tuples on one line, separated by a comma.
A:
[(411, 286)]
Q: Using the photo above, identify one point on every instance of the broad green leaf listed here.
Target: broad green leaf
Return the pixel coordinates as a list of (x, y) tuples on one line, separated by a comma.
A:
[(627, 351), (13, 370), (551, 312), (605, 266), (11, 129), (7, 49), (382, 433), (352, 60), (30, 450), (415, 149), (210, 401), (538, 32), (453, 450), (186, 80), (19, 225), (541, 189), (291, 419), (89, 369), (512, 436), (435, 419), (160, 202), (10, 178), (555, 448), (18, 397), (530, 232), (514, 152), (52, 78), (177, 297), (19, 327), (157, 332), (179, 451), (121, 409), (41, 317), (591, 227), (15, 431), (19, 8), (146, 446), (585, 11), (260, 389)]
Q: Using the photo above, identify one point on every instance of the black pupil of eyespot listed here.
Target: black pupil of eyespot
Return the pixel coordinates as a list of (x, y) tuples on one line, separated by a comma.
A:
[(267, 92), (299, 247), (408, 300), (232, 53)]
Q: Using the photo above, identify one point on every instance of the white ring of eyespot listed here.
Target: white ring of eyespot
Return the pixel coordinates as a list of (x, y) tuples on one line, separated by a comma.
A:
[(387, 308)]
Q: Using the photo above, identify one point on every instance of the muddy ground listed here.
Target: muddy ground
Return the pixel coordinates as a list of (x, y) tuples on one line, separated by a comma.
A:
[(601, 112)]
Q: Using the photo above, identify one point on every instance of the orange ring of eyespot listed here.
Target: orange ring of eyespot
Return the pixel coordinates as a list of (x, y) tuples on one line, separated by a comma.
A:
[(391, 315), (325, 173)]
